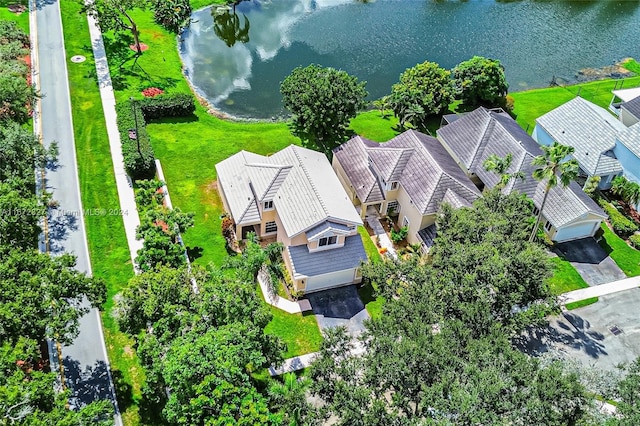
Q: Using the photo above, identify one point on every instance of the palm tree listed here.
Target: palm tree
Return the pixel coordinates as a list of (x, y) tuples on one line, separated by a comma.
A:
[(551, 167), (499, 165)]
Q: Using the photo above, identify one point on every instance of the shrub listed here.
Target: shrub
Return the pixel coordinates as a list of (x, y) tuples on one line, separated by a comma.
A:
[(635, 241), (161, 106), (172, 14), (620, 224), (400, 235), (140, 164)]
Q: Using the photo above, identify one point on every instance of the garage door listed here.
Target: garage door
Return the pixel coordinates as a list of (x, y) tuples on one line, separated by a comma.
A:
[(575, 231), (334, 279)]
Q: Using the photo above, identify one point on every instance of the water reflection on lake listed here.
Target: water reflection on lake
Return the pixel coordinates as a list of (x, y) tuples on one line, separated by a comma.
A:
[(237, 60)]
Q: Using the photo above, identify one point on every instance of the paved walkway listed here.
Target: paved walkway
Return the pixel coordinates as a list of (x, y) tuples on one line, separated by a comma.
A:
[(380, 233), (599, 290), (85, 362), (273, 299), (303, 361), (123, 182)]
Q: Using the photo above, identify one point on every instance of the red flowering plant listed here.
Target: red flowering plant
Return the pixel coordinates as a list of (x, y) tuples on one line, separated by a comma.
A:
[(150, 92)]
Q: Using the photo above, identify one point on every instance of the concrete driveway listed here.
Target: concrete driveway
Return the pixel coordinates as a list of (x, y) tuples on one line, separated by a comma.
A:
[(339, 307), (602, 335), (590, 260)]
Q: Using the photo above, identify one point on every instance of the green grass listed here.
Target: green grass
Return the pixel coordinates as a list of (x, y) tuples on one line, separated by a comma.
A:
[(107, 242), (581, 303), (632, 65), (626, 257), (565, 277), (372, 303), (21, 19), (369, 246), (373, 126), (299, 331), (531, 104)]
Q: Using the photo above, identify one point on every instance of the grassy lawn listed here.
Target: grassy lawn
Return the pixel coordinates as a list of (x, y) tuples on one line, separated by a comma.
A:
[(299, 331), (531, 104), (626, 257), (107, 242), (581, 303), (565, 277)]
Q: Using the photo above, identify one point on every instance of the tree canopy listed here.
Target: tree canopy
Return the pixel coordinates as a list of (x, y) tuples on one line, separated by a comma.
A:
[(423, 91), (480, 81), (199, 349), (42, 296), (322, 102), (115, 15)]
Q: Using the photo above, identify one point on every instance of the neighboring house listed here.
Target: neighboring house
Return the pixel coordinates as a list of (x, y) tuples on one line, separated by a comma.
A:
[(627, 150), (411, 176), (590, 130), (295, 197), (471, 138), (625, 103)]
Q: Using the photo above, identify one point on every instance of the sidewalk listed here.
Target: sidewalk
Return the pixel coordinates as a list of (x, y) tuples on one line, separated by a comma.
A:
[(378, 230), (123, 182), (599, 290), (273, 299)]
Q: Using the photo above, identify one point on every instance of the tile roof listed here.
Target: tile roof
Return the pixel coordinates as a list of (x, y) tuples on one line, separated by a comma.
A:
[(349, 256), (428, 235), (632, 107), (420, 164), (590, 129), (325, 226), (630, 137), (480, 133), (303, 186)]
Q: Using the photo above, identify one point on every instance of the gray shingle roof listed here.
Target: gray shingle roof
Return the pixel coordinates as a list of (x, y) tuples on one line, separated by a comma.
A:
[(303, 186), (633, 107), (428, 235), (428, 171), (349, 256), (327, 226), (630, 137), (590, 129), (480, 133)]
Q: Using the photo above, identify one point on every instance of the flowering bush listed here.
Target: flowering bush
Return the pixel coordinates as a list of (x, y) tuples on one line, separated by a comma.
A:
[(151, 92), (383, 250)]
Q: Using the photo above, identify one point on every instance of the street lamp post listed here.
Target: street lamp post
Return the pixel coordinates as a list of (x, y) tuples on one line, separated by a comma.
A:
[(135, 118)]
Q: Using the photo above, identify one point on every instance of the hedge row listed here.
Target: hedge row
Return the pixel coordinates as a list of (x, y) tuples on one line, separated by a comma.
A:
[(139, 163), (139, 159), (174, 105), (620, 224), (635, 241)]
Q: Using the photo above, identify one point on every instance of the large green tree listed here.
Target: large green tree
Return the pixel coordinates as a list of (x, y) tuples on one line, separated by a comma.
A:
[(322, 102), (553, 167), (423, 91), (42, 296), (480, 81), (28, 395), (629, 392), (199, 349), (117, 16), (20, 214), (21, 153)]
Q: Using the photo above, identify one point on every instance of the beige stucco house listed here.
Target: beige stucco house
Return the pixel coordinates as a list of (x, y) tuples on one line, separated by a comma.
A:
[(295, 197), (411, 176)]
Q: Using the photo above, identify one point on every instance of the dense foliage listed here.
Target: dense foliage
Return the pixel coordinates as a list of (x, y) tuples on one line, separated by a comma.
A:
[(172, 14), (139, 158), (423, 91), (167, 105), (621, 225), (627, 190), (16, 93), (480, 81), (199, 349), (442, 353), (322, 102)]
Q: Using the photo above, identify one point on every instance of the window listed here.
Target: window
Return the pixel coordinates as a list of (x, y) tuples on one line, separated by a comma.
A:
[(535, 211), (548, 226), (394, 186), (270, 227), (268, 205), (327, 241), (393, 207), (405, 222)]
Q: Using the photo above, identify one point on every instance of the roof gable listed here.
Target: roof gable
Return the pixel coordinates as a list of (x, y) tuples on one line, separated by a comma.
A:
[(632, 107)]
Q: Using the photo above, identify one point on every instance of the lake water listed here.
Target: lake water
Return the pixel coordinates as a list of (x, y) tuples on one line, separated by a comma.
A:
[(237, 61)]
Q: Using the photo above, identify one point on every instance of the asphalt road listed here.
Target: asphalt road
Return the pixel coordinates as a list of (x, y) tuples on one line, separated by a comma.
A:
[(85, 361)]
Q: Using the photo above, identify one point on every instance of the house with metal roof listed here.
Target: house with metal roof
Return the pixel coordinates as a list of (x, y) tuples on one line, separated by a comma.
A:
[(295, 197), (568, 213), (590, 130), (410, 176)]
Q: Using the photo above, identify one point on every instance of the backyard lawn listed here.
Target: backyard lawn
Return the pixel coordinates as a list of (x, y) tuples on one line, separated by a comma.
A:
[(627, 258)]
